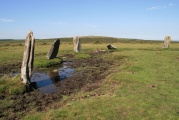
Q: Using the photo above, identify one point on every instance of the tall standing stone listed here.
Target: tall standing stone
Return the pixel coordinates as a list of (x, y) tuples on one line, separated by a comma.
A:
[(167, 42), (76, 43), (54, 50), (28, 58)]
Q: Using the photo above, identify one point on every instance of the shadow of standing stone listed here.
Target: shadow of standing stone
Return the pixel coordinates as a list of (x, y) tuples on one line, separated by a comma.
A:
[(167, 42), (54, 75), (28, 58), (54, 50), (76, 43)]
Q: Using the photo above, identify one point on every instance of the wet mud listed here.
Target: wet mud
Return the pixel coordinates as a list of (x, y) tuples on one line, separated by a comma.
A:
[(10, 69), (87, 71)]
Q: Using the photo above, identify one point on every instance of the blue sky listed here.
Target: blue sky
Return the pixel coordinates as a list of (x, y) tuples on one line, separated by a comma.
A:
[(142, 19)]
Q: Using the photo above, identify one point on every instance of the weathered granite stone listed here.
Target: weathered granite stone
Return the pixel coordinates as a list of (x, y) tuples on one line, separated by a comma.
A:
[(167, 42), (109, 46), (28, 58), (54, 50), (76, 43)]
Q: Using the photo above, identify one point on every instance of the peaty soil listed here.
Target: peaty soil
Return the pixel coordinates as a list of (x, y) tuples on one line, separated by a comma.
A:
[(10, 68), (88, 75)]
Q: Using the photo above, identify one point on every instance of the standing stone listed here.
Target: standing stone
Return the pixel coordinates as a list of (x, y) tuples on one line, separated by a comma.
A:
[(76, 43), (167, 42), (109, 46), (28, 58), (54, 50)]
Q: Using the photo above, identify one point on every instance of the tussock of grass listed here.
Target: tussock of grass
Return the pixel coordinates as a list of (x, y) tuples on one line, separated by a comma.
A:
[(81, 55), (5, 103), (11, 85), (44, 62)]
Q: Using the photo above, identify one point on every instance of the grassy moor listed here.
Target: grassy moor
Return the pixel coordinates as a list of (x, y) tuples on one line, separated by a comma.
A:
[(138, 80)]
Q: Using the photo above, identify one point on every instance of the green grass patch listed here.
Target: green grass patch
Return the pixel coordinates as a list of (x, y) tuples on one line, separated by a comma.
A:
[(143, 83), (11, 85), (43, 62), (81, 55)]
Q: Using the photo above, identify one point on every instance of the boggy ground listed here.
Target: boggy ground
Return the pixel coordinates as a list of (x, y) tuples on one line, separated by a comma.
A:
[(10, 68), (89, 72)]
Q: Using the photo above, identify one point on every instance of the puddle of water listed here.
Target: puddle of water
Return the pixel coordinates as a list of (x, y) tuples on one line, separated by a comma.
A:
[(44, 80)]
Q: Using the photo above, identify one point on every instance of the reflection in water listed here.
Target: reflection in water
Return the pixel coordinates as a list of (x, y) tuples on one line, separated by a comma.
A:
[(44, 81)]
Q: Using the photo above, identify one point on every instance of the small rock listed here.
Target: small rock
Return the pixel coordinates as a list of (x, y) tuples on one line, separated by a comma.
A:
[(99, 50), (109, 46)]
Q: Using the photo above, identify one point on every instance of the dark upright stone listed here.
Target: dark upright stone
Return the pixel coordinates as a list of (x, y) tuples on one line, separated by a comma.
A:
[(54, 50)]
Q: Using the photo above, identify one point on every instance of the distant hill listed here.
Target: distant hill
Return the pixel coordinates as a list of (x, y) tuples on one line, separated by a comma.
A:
[(97, 40), (104, 39), (6, 39)]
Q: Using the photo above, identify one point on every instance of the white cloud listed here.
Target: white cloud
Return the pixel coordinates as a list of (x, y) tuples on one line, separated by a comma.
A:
[(154, 8), (160, 7), (6, 20)]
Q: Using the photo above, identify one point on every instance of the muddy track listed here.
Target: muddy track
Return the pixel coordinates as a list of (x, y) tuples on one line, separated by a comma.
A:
[(92, 71)]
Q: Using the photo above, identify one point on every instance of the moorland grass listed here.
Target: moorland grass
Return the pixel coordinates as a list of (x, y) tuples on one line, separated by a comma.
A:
[(11, 85), (143, 84)]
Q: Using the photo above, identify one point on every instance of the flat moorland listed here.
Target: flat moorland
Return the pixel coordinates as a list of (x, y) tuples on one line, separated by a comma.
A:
[(139, 80)]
